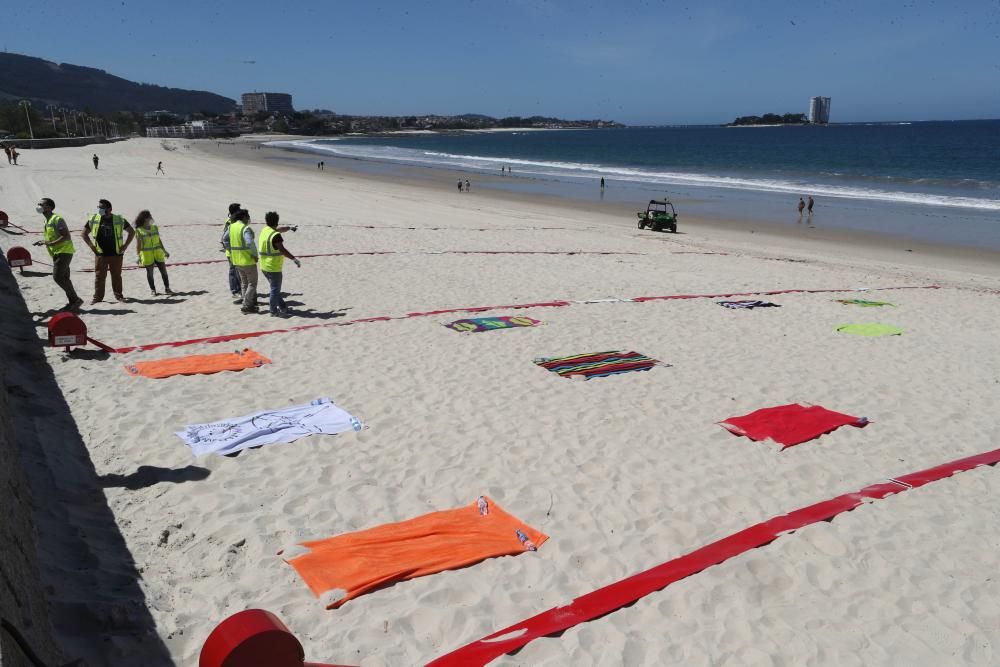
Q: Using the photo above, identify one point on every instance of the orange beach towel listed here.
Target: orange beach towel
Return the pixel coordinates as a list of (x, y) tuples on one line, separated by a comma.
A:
[(198, 364), (355, 563)]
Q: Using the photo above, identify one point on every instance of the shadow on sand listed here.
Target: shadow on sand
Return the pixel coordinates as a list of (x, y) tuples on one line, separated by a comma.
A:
[(146, 476)]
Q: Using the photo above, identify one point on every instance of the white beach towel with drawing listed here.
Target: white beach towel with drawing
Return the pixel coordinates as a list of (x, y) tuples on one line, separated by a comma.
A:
[(270, 426)]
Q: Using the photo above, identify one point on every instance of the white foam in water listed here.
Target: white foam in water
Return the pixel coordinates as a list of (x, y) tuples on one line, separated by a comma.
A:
[(586, 171)]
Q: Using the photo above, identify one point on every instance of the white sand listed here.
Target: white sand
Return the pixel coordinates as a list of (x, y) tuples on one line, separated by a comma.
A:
[(623, 472)]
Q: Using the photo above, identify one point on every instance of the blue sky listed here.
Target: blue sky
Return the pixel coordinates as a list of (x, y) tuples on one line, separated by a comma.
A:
[(636, 62)]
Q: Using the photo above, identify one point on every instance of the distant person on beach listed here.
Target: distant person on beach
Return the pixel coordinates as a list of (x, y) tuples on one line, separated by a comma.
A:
[(243, 254), (468, 186), (14, 155), (802, 205), (234, 276), (322, 165), (810, 207), (59, 245), (96, 160), (272, 251), (460, 185), (151, 251), (105, 233), (159, 170), (602, 182), (6, 150)]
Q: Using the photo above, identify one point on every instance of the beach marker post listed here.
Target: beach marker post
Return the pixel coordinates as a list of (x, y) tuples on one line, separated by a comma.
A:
[(18, 257)]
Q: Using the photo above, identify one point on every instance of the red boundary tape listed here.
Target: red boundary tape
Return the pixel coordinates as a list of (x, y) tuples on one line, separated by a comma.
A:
[(396, 252), (619, 594), (478, 309)]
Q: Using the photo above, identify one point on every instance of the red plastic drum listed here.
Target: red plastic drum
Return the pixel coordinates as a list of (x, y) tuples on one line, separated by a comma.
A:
[(18, 257), (66, 329), (253, 638)]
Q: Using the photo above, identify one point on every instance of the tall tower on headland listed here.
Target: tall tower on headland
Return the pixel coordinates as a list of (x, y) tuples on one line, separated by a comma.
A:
[(819, 110)]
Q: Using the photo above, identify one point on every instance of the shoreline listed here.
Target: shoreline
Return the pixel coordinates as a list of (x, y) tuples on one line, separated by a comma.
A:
[(742, 233)]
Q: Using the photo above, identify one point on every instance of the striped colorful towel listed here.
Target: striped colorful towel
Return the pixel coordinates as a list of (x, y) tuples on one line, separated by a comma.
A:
[(490, 323), (597, 364)]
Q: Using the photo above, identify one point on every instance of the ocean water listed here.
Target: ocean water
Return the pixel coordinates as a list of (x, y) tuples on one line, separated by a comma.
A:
[(937, 181)]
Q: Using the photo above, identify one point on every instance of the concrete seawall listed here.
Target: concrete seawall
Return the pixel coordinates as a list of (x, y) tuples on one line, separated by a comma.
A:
[(68, 582), (23, 602)]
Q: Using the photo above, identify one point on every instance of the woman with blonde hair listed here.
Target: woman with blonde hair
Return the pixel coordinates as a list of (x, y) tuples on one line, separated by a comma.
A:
[(151, 250)]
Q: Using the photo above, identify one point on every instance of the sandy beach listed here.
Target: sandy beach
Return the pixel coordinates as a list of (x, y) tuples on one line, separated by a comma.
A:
[(622, 472)]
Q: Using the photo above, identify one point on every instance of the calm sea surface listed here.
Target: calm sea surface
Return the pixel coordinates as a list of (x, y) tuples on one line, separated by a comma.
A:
[(937, 181)]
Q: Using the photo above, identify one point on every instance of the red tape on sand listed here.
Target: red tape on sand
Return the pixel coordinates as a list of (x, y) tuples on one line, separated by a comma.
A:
[(617, 595), (477, 309), (397, 252)]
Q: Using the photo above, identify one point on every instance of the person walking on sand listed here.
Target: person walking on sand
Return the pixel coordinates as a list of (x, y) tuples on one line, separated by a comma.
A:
[(272, 251), (151, 251), (96, 160), (810, 207), (105, 234), (59, 245), (243, 254), (159, 170), (234, 276), (602, 182), (6, 150), (802, 205), (459, 185), (14, 154), (468, 186)]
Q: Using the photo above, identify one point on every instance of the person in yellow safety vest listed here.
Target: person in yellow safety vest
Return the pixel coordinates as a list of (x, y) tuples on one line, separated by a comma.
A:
[(272, 251), (58, 242), (151, 251), (105, 234), (234, 278), (239, 241)]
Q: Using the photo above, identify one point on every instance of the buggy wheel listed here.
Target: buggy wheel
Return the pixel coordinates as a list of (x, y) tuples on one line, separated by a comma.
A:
[(673, 228), (642, 224), (655, 226)]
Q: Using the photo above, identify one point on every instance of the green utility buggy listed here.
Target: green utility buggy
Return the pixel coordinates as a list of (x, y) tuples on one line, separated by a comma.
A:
[(658, 216)]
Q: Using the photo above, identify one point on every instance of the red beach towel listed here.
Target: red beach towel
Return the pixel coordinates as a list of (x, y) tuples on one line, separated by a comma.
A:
[(790, 425), (198, 364), (358, 562)]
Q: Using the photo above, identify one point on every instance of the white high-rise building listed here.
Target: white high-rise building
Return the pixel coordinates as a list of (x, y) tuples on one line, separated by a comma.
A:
[(819, 109)]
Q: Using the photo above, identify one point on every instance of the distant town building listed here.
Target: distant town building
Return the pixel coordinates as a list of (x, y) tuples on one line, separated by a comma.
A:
[(191, 130), (819, 110), (268, 102)]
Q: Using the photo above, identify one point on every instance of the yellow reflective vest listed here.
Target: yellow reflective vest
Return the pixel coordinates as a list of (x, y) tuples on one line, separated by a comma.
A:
[(271, 259), (149, 245), (240, 254), (117, 222), (64, 247)]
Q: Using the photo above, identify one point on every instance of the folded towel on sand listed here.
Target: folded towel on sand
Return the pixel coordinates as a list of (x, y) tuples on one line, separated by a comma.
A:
[(489, 323), (267, 427), (198, 364), (870, 329), (352, 564), (864, 303), (790, 425), (747, 305), (597, 364)]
